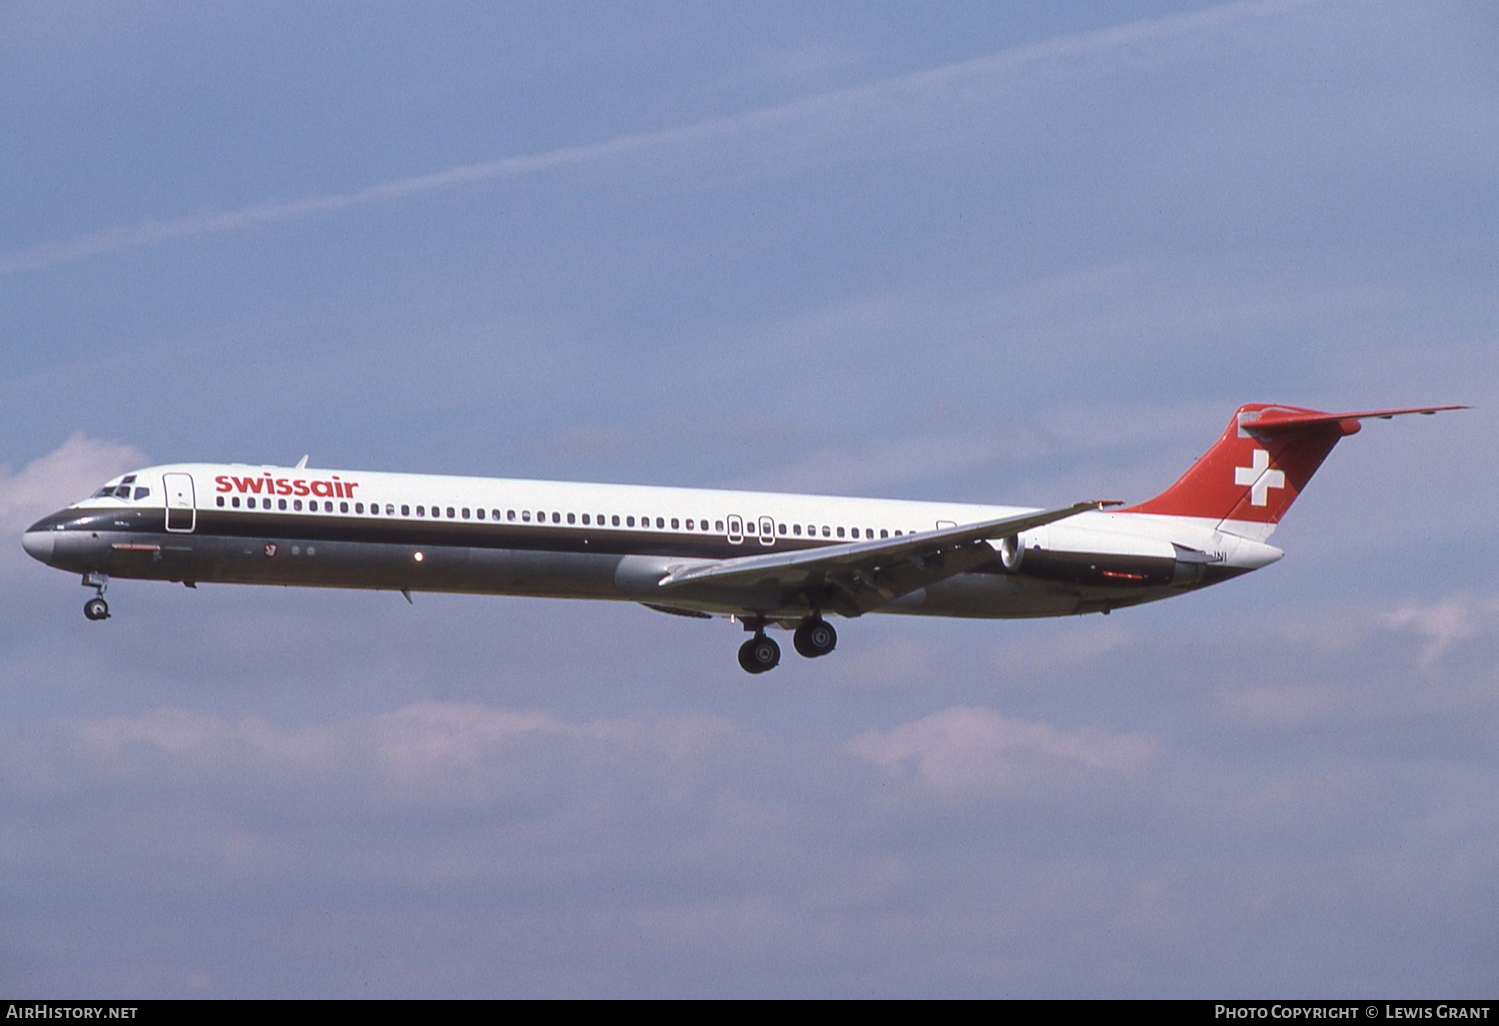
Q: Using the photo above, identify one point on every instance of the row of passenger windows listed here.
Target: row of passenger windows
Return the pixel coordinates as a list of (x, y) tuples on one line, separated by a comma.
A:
[(525, 516)]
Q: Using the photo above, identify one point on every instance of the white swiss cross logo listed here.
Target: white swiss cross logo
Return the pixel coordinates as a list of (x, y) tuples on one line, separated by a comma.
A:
[(1260, 477)]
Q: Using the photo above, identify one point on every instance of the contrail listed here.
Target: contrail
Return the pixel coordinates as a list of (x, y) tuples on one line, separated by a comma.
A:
[(919, 84)]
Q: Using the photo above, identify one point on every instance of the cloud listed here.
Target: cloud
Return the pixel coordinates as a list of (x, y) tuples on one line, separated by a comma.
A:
[(1287, 705), (65, 475), (1446, 622), (959, 753), (469, 848), (786, 135)]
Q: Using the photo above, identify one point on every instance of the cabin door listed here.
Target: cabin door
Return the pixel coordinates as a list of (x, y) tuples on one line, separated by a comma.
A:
[(182, 509)]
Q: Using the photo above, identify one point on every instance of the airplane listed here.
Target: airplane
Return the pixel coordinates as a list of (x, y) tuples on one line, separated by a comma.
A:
[(760, 559)]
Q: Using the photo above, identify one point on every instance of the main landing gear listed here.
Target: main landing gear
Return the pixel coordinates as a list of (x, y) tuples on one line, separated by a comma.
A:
[(96, 608), (814, 637), (759, 653)]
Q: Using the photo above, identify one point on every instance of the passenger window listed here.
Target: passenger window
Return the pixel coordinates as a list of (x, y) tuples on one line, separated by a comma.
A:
[(781, 528), (674, 523), (525, 515), (585, 519), (221, 500), (479, 513), (751, 528), (884, 533), (796, 528), (718, 525), (465, 513), (840, 532), (510, 515), (629, 521), (571, 519), (660, 522), (451, 513), (826, 532), (343, 507), (405, 511), (296, 504), (234, 502), (556, 518), (421, 511), (358, 507), (280, 503), (614, 520)]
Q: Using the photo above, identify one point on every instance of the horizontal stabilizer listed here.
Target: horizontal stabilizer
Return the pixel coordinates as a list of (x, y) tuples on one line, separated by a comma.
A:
[(1279, 421)]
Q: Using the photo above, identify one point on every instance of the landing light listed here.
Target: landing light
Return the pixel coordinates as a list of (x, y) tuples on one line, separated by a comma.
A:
[(417, 557)]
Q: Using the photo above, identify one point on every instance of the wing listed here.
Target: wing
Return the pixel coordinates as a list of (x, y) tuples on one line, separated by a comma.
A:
[(859, 576)]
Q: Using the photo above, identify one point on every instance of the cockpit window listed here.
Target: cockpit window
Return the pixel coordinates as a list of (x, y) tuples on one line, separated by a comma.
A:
[(121, 489)]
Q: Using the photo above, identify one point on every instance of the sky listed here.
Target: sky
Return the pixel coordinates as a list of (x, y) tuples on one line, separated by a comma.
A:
[(1010, 253)]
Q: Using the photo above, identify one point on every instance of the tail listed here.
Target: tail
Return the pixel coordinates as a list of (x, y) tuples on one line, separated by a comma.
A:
[(1264, 459)]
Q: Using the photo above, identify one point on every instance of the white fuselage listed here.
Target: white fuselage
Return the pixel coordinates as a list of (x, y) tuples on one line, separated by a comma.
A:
[(414, 532)]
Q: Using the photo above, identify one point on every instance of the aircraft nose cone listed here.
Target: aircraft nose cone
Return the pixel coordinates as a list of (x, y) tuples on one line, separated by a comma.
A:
[(38, 545)]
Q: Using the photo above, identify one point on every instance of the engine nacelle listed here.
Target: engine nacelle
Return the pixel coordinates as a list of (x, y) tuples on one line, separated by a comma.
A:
[(1012, 552)]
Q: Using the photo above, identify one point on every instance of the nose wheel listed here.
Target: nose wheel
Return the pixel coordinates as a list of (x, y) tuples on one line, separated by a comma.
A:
[(759, 654), (96, 608)]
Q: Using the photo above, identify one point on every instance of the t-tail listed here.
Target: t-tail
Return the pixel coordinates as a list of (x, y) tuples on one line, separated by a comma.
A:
[(1247, 481)]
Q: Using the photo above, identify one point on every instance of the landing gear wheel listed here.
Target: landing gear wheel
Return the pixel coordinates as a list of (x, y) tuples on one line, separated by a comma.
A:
[(815, 638), (759, 654), (96, 609)]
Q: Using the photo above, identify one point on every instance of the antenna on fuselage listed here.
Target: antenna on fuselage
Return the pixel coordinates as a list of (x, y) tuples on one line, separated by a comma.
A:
[(301, 464)]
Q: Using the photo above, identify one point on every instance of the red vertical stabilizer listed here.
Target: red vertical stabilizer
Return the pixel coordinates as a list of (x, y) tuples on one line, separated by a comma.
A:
[(1261, 463)]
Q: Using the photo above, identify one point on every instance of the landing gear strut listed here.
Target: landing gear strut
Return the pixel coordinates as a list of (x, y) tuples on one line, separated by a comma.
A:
[(815, 637), (96, 608), (759, 654)]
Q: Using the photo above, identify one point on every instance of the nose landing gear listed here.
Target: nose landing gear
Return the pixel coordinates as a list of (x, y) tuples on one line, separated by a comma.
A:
[(96, 608)]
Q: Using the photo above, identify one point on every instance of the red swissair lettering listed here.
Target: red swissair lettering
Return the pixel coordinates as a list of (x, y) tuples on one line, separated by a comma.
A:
[(269, 485)]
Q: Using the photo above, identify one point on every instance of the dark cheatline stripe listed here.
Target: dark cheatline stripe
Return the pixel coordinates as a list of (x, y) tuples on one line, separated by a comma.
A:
[(467, 534)]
